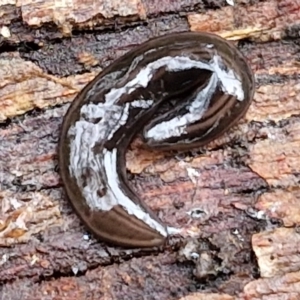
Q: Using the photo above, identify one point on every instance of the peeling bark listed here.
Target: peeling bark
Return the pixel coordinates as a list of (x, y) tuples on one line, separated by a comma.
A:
[(246, 197)]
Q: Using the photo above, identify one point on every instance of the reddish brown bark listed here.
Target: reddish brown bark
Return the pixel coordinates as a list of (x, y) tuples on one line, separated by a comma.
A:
[(246, 195)]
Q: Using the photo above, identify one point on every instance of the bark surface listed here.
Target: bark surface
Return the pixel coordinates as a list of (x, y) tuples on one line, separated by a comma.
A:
[(244, 242)]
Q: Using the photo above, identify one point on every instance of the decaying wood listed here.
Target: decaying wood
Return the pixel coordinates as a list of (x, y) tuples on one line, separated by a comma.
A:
[(243, 189)]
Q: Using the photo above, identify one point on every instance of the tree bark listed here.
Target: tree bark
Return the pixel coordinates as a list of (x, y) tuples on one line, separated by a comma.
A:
[(246, 194)]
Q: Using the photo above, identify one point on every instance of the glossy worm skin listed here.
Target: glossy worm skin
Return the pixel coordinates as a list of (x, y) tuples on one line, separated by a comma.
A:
[(179, 91)]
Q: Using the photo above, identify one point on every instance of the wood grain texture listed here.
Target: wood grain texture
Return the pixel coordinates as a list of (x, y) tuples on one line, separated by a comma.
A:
[(238, 199)]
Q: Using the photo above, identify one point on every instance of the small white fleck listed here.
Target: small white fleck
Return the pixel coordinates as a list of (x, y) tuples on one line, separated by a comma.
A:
[(196, 213), (5, 32), (34, 259), (193, 174), (230, 2), (20, 222), (86, 237), (189, 251), (75, 270), (15, 203), (194, 255), (4, 259), (260, 215), (235, 232)]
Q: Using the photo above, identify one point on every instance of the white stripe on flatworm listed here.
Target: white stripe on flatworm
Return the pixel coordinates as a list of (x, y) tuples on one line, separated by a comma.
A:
[(230, 84), (88, 132), (177, 125), (114, 195), (84, 135)]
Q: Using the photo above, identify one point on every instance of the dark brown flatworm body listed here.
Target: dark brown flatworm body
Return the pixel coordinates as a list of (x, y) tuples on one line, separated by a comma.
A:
[(179, 91)]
